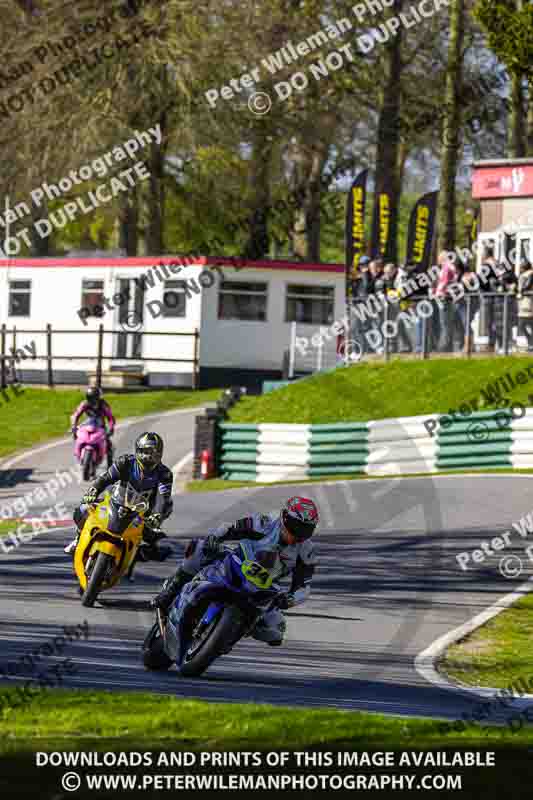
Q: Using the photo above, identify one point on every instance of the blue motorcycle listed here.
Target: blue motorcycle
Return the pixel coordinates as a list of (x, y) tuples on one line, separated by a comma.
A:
[(218, 607)]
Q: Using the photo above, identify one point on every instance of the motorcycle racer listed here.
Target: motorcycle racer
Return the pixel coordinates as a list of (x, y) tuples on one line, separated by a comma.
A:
[(286, 534), (148, 475), (95, 407)]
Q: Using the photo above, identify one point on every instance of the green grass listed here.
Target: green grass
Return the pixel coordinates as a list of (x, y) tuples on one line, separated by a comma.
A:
[(498, 653), (379, 391), (41, 414), (5, 527), (138, 720), (219, 484)]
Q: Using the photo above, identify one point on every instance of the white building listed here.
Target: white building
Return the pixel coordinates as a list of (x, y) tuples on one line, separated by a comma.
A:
[(505, 191), (242, 315)]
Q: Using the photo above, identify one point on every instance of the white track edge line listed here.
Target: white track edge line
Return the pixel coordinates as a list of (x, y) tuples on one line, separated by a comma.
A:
[(124, 424), (425, 661)]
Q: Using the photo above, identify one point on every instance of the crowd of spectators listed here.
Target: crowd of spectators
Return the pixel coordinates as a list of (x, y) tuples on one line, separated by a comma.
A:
[(496, 300)]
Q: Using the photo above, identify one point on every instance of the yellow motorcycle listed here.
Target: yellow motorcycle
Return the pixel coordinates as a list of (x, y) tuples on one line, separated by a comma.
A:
[(109, 541)]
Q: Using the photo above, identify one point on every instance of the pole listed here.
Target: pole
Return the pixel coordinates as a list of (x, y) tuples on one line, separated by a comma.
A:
[(100, 354), (292, 350), (49, 354), (6, 220), (195, 369), (3, 334)]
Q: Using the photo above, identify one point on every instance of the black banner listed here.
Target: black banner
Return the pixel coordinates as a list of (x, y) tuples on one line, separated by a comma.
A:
[(355, 228), (421, 231), (381, 244)]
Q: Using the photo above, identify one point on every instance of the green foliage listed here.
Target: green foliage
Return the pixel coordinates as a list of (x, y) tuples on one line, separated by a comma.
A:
[(509, 32)]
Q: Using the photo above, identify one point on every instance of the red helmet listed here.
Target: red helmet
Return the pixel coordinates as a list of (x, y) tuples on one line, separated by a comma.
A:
[(300, 517)]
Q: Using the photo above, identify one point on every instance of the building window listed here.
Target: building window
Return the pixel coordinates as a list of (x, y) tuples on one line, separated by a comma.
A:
[(92, 295), (314, 305), (19, 298), (174, 300), (244, 301)]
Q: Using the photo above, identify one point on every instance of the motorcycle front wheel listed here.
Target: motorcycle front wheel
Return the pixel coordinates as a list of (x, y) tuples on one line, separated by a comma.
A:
[(87, 464), (95, 581), (212, 641)]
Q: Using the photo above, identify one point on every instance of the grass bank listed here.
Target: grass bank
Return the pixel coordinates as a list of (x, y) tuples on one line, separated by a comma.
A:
[(497, 654), (380, 391), (41, 414), (140, 720)]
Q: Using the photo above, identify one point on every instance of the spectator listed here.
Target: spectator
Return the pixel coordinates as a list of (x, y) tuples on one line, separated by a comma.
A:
[(390, 292), (503, 288), (468, 305), (525, 304), (405, 332), (377, 287), (362, 287), (446, 307), (376, 275), (486, 327)]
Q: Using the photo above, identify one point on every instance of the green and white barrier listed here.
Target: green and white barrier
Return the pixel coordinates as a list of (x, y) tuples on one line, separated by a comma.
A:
[(406, 445)]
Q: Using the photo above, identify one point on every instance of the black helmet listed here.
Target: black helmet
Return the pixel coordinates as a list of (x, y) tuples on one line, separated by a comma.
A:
[(93, 396), (149, 450)]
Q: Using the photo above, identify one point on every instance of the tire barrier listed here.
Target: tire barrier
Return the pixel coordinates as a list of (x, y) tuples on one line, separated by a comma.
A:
[(274, 452)]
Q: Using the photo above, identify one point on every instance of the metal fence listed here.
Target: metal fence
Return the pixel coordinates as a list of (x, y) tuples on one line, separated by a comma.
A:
[(10, 369), (488, 322)]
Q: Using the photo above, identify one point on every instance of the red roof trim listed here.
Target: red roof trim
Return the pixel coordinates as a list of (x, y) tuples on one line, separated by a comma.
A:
[(146, 262)]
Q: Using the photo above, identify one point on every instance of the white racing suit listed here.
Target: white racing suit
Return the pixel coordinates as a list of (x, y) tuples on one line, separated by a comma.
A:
[(261, 533)]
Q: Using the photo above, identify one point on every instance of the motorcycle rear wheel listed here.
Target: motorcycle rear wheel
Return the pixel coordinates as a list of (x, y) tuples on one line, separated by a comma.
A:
[(226, 630), (95, 581)]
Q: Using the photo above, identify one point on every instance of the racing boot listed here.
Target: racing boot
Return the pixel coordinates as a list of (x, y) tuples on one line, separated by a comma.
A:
[(171, 588), (71, 546)]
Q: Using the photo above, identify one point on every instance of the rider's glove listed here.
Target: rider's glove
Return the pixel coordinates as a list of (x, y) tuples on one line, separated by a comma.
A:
[(284, 601), (90, 495), (211, 544), (74, 432), (153, 520)]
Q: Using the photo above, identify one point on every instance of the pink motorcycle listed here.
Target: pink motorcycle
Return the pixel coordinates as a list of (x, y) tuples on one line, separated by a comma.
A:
[(91, 447)]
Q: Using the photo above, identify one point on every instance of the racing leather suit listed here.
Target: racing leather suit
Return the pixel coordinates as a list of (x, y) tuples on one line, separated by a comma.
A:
[(259, 532), (155, 485), (100, 414)]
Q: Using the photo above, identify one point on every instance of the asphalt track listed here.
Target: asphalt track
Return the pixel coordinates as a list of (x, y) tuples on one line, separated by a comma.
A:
[(388, 585)]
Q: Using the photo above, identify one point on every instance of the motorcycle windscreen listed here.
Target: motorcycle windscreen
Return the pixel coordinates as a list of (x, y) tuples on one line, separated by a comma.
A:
[(125, 503), (127, 496), (119, 518)]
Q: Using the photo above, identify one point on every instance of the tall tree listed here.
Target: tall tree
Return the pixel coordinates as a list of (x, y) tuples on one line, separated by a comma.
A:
[(388, 159), (509, 28), (451, 129)]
